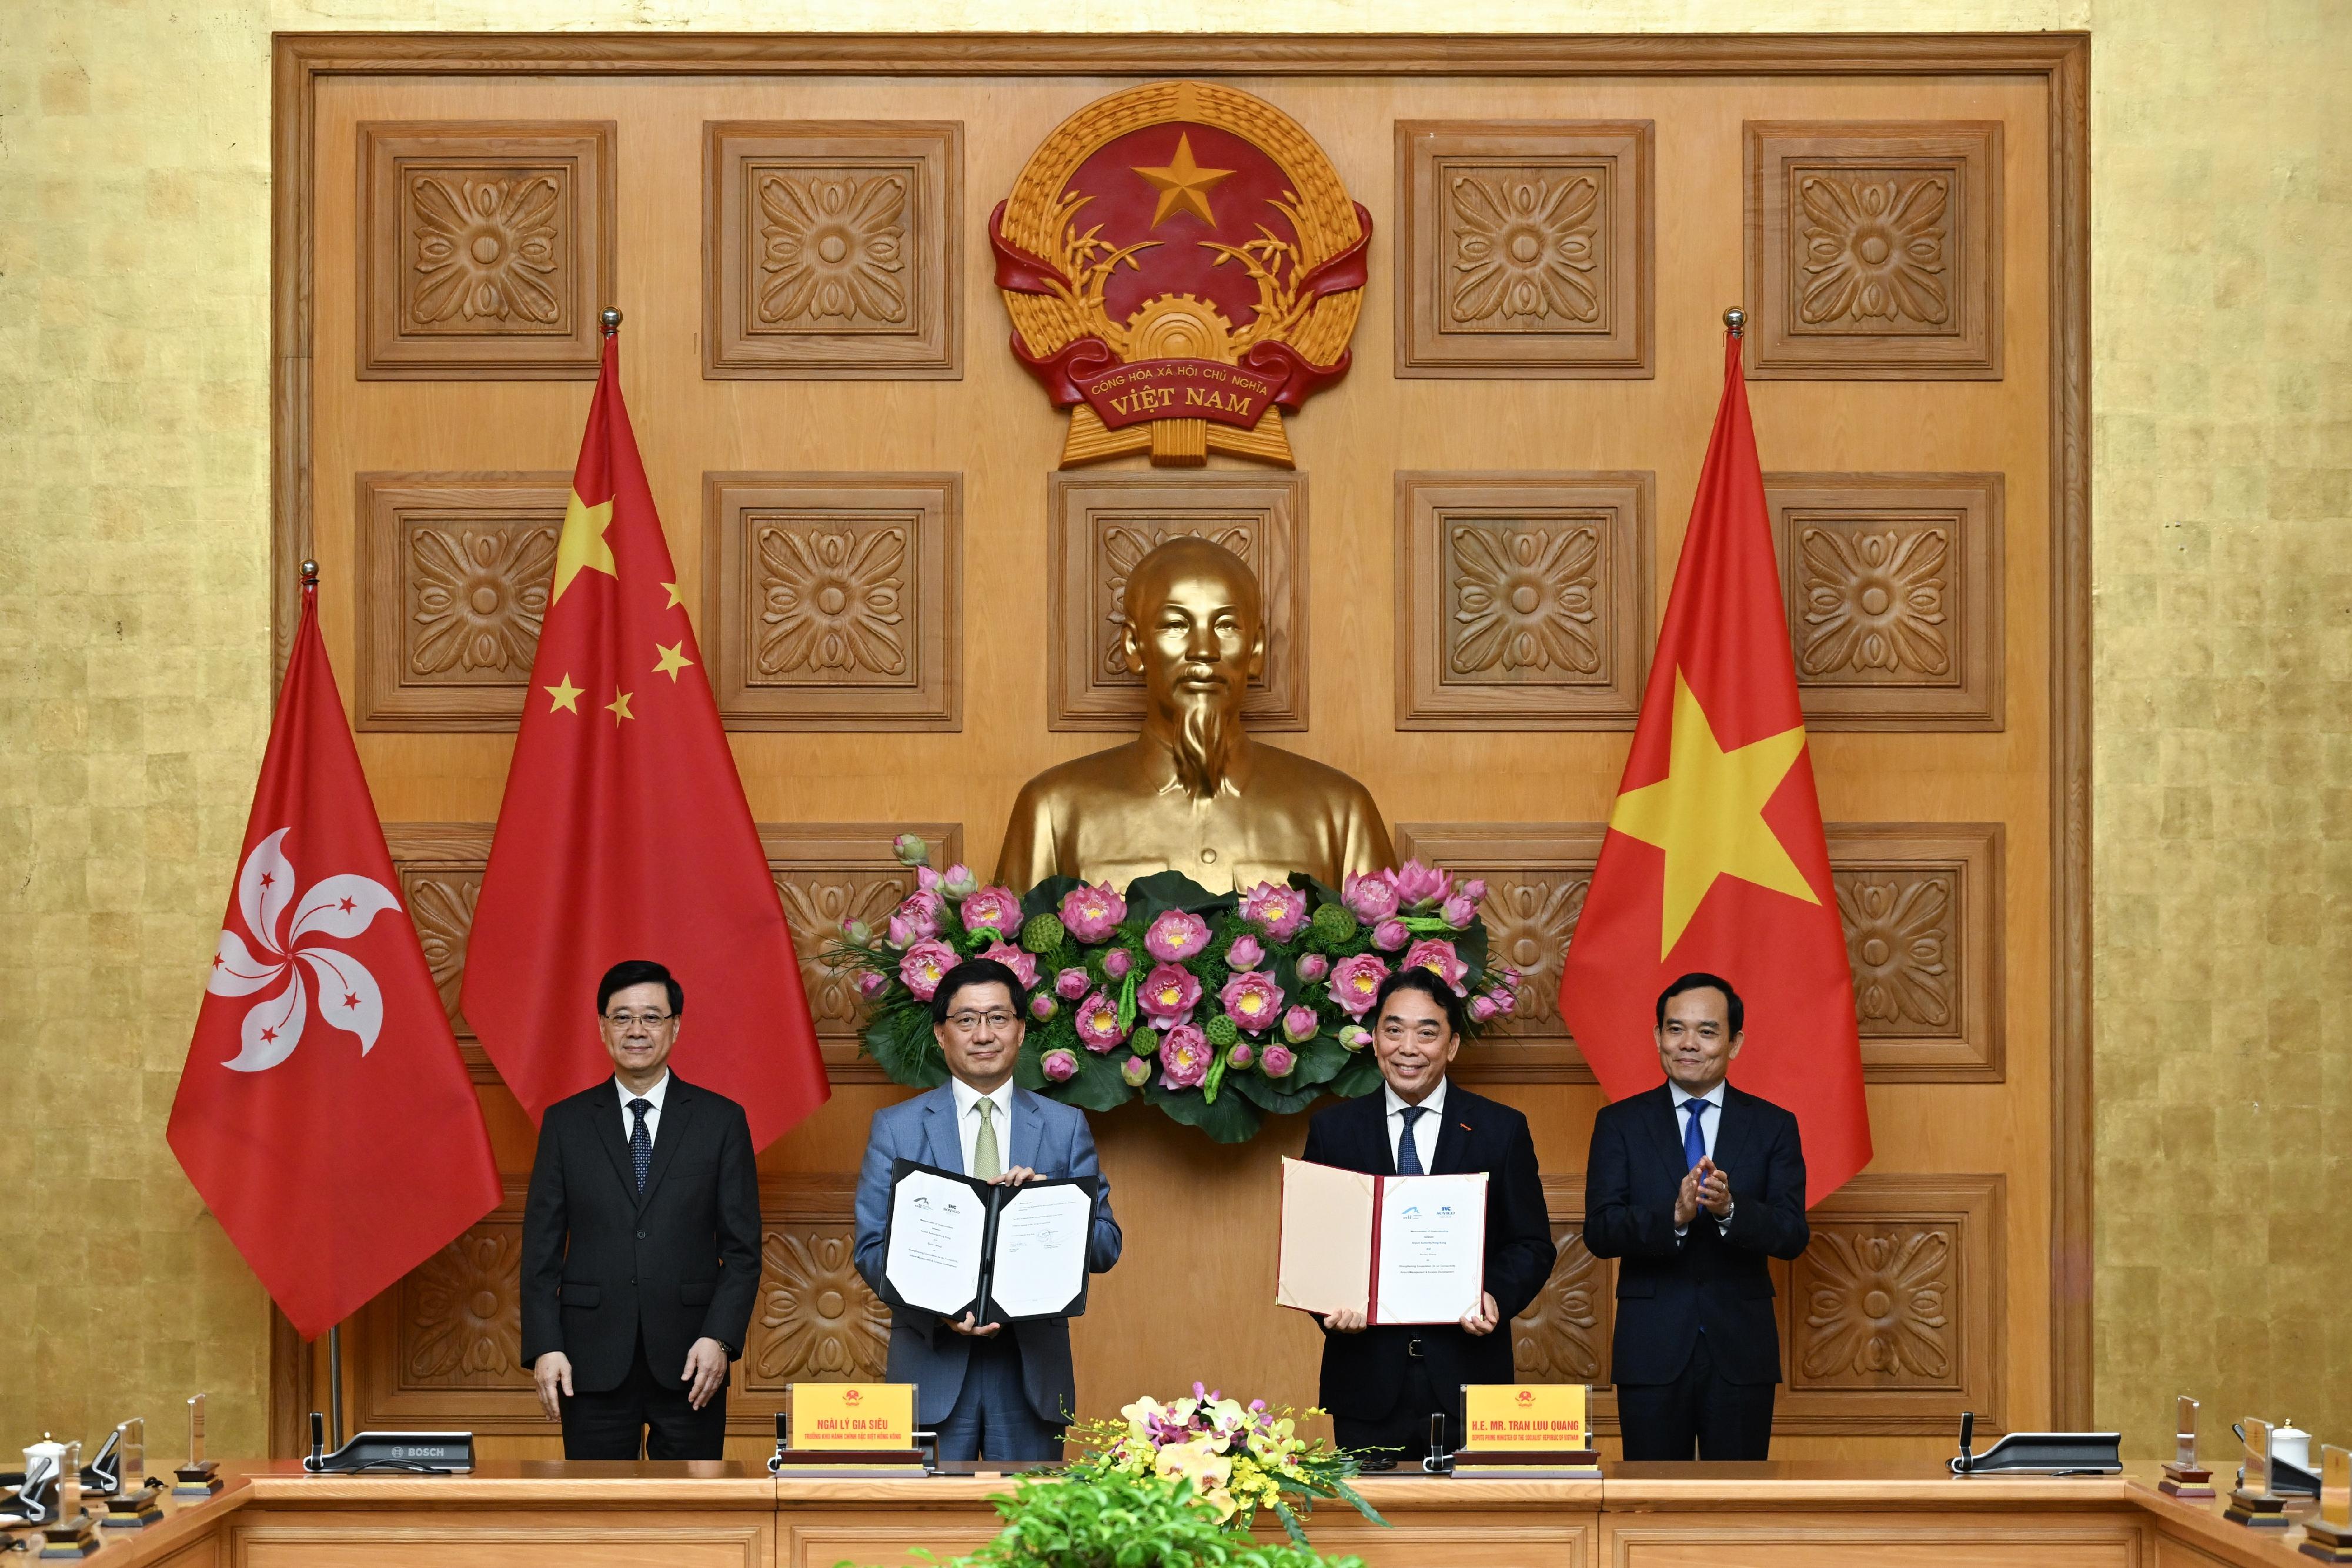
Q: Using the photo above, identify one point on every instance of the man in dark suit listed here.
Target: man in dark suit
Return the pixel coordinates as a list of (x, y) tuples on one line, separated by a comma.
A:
[(1382, 1384), (640, 1242), (1694, 1184)]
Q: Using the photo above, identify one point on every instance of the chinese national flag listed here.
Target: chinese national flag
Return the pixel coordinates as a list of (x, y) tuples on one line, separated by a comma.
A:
[(1713, 859), (625, 833), (324, 1113)]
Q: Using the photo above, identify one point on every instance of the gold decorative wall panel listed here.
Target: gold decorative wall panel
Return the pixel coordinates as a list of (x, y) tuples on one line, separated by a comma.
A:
[(833, 249), (489, 247), (835, 601), (1523, 600), (1525, 249), (1873, 250), (1098, 526), (452, 585), (1895, 594)]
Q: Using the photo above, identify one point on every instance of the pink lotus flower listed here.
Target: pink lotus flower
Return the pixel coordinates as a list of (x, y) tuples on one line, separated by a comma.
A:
[(1390, 934), (1458, 912), (1042, 1007), (1277, 1062), (1437, 955), (1355, 1037), (1372, 897), (872, 984), (992, 909), (1060, 1066), (925, 965), (1071, 984), (1092, 913), (957, 881), (1168, 994), (1241, 1054), (1313, 967), (1176, 935), (1183, 1058), (1252, 1000), (1475, 890), (1097, 1021), (857, 933), (1299, 1024), (1117, 962), (926, 878), (1356, 982), (1134, 1070), (911, 850), (1245, 953), (1507, 1001), (1275, 910), (1023, 965), (1482, 1009), (1417, 884), (916, 919)]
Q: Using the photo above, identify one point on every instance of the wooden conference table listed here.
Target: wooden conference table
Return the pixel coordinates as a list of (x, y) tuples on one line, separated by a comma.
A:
[(728, 1515)]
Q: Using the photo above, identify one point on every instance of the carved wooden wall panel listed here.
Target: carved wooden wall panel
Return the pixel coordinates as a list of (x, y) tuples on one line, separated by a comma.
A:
[(832, 249), (1526, 248), (487, 248), (1565, 1332), (451, 587), (1098, 526), (1873, 250), (1921, 905), (1894, 588), (1920, 902), (1523, 600), (443, 1348), (835, 601), (827, 873)]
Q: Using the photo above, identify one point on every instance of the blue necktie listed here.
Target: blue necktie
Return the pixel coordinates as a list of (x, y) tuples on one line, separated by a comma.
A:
[(1409, 1153), (641, 1142), (1693, 1141)]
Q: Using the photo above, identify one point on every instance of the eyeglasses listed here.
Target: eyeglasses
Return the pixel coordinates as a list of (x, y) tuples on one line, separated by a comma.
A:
[(651, 1020), (967, 1022)]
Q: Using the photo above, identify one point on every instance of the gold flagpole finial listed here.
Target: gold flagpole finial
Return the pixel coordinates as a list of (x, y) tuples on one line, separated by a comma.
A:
[(1735, 321), (309, 574), (612, 320)]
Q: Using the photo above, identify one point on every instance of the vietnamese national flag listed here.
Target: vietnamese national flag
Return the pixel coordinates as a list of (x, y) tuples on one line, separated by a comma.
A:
[(1714, 859), (624, 832), (324, 1113)]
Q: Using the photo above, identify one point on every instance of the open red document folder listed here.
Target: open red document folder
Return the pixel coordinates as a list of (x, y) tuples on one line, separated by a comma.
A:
[(1399, 1249)]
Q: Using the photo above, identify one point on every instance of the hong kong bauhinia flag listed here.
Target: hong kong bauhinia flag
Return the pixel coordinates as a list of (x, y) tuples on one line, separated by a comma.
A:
[(324, 1113), (624, 832), (1714, 859)]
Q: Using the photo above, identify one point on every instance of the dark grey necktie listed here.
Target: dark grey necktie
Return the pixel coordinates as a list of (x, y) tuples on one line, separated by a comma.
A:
[(1409, 1152), (641, 1141)]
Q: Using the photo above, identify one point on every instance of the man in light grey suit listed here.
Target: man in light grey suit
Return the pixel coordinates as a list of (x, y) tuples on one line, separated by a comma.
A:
[(993, 1391)]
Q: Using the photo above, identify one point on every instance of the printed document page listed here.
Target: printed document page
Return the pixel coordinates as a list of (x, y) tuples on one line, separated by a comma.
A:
[(1041, 1250), (1327, 1238), (937, 1226), (1433, 1247)]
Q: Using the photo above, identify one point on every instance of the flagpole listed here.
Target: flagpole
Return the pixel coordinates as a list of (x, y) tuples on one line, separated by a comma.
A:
[(335, 1335)]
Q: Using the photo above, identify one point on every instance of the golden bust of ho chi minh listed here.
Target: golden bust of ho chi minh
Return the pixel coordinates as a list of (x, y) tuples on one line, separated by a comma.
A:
[(1193, 792)]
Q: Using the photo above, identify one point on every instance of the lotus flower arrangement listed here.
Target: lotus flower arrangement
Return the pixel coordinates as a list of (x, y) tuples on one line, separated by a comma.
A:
[(1219, 1008), (1240, 1459)]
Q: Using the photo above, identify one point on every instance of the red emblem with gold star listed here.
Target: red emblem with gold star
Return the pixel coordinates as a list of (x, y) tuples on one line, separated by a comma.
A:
[(1182, 266)]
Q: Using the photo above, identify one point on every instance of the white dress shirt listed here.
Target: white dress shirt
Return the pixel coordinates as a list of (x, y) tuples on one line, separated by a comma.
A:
[(1709, 1122), (1425, 1128), (967, 1103), (653, 1117)]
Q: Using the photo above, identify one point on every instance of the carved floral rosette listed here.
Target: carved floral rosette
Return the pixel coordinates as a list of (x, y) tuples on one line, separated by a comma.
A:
[(1182, 265), (1219, 1008)]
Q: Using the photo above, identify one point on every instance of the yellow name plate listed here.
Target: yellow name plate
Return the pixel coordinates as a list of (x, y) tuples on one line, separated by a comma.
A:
[(1525, 1416), (853, 1414)]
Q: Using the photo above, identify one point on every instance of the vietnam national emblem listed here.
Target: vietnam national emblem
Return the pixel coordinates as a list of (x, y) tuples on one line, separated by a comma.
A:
[(1182, 266)]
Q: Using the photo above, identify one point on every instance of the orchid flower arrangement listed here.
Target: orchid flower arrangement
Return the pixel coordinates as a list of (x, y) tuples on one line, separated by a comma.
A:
[(1219, 1008), (1240, 1459)]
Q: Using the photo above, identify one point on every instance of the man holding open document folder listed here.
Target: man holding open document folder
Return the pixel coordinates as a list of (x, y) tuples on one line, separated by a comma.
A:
[(1382, 1380)]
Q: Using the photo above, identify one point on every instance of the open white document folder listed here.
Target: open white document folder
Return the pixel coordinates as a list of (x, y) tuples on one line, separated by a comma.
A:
[(1399, 1249)]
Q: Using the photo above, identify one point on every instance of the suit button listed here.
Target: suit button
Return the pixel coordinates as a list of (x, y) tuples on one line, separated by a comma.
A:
[(641, 1236)]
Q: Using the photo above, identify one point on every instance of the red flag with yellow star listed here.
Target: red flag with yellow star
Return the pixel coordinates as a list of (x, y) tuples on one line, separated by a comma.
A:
[(624, 832), (1714, 859)]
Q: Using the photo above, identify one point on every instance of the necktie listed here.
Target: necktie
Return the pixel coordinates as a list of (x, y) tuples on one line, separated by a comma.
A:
[(1409, 1152), (641, 1142), (1694, 1140), (987, 1162)]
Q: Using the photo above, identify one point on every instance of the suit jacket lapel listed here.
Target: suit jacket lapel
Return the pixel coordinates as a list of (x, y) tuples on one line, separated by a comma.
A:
[(1732, 1138), (1021, 1118), (940, 1136), (1454, 1129), (1663, 1122), (609, 1119), (678, 1109)]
